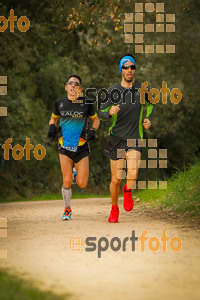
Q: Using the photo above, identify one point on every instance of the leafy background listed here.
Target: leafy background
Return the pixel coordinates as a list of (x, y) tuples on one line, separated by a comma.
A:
[(87, 38)]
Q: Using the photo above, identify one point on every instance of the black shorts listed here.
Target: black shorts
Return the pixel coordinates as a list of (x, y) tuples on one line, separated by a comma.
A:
[(115, 143), (81, 152)]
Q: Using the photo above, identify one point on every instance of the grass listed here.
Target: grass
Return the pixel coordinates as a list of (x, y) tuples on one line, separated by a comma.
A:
[(182, 193), (14, 288), (47, 197)]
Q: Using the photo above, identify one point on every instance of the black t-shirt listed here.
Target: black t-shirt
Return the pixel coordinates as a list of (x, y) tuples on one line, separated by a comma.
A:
[(127, 123)]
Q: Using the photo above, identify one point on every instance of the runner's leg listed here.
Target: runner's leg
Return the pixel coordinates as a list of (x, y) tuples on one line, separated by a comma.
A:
[(133, 162), (116, 171), (82, 168), (66, 164)]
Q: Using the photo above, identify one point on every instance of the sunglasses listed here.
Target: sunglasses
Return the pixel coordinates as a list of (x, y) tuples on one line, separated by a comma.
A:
[(126, 67), (75, 83)]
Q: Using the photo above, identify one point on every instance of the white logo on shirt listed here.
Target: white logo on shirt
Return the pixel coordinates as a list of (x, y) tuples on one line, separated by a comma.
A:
[(71, 113)]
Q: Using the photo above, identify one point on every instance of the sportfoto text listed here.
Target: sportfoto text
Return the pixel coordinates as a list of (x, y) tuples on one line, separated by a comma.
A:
[(23, 22), (154, 94), (116, 244), (18, 151)]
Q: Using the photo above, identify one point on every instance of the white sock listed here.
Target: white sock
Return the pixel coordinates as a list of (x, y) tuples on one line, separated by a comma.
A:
[(67, 194)]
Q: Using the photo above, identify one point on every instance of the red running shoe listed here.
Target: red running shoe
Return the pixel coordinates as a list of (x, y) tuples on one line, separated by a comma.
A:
[(128, 200), (114, 215)]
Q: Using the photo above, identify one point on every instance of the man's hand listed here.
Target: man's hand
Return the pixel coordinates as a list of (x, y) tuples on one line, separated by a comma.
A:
[(146, 123), (52, 131), (91, 135), (114, 110)]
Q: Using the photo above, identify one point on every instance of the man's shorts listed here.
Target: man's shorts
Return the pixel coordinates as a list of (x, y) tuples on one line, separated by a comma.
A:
[(81, 152), (115, 147)]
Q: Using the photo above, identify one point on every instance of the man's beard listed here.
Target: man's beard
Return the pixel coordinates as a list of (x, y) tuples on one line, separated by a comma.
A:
[(129, 79)]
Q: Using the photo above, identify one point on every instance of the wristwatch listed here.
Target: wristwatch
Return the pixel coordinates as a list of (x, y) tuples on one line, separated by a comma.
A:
[(93, 129)]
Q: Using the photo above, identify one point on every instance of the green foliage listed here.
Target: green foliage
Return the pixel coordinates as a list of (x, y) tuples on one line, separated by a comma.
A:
[(182, 194), (87, 38)]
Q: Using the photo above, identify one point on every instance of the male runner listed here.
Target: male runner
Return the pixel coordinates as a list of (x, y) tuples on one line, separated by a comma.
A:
[(124, 105), (73, 136)]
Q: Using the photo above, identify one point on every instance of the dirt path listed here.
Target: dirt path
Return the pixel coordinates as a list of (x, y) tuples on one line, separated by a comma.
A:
[(38, 249)]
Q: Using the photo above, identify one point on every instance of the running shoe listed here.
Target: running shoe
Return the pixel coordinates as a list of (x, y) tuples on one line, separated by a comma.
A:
[(74, 176), (67, 213), (128, 200), (114, 215)]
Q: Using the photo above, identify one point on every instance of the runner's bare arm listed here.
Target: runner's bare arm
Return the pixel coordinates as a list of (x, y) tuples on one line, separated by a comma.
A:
[(53, 120), (95, 122)]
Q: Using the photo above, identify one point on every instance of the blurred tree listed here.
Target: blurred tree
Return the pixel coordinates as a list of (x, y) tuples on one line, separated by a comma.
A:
[(87, 37)]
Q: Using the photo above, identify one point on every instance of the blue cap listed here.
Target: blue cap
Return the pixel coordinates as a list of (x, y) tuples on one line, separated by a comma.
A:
[(124, 60)]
